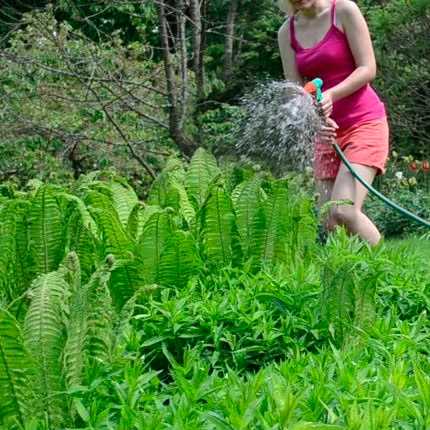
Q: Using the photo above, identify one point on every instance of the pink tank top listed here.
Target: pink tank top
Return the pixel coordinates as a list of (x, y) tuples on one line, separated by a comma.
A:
[(332, 61)]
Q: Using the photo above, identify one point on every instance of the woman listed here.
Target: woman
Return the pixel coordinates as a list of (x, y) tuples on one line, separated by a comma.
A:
[(330, 39)]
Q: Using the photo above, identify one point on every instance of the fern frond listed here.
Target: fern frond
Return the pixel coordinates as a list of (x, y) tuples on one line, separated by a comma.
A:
[(186, 209), (201, 173), (44, 336), (250, 217), (81, 240), (179, 260), (98, 342), (275, 213), (162, 193), (46, 230), (155, 233), (218, 227), (121, 195), (15, 373), (14, 262), (76, 326), (127, 276), (115, 237)]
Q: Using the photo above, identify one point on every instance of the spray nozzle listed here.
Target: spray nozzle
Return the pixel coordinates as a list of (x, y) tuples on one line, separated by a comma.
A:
[(314, 88)]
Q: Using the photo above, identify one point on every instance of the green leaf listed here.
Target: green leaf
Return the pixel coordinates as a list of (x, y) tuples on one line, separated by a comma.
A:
[(275, 232), (156, 231), (218, 227), (115, 236), (179, 260), (15, 372), (46, 230), (250, 218), (44, 335), (201, 173)]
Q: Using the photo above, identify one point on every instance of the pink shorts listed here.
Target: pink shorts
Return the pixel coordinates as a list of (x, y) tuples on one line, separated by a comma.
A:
[(366, 143)]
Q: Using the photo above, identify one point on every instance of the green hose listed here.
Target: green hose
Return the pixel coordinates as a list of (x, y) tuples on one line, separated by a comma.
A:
[(375, 192), (316, 90)]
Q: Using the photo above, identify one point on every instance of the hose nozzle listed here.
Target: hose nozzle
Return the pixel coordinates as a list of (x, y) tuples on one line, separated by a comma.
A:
[(314, 88)]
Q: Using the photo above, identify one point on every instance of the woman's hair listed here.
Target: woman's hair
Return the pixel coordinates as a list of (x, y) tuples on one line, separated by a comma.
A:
[(286, 7)]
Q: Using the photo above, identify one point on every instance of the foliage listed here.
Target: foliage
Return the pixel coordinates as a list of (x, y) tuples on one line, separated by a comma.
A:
[(71, 105), (400, 29), (406, 182), (211, 307)]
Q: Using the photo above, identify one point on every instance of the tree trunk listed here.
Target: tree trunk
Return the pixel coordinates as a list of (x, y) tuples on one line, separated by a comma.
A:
[(229, 40), (197, 37), (177, 97)]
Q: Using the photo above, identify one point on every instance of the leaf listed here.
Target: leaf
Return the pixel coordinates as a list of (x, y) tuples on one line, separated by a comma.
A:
[(275, 232), (218, 227), (250, 219), (44, 335), (15, 372), (15, 270), (127, 276), (178, 261), (201, 173), (99, 341), (115, 236), (124, 199), (156, 231), (423, 383), (76, 328), (46, 231)]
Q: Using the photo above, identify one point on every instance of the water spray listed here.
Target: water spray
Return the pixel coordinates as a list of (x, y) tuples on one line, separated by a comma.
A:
[(279, 126)]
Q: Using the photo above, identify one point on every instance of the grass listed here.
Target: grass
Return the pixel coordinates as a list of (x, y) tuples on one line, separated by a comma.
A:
[(414, 244)]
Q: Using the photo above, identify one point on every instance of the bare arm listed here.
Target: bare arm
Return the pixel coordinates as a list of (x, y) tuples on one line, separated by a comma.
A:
[(287, 55), (360, 43)]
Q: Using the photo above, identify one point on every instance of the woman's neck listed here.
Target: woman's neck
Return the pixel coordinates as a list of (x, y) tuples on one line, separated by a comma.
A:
[(319, 7)]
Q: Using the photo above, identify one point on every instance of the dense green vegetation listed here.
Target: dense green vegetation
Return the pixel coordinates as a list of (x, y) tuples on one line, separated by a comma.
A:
[(146, 284), (210, 305)]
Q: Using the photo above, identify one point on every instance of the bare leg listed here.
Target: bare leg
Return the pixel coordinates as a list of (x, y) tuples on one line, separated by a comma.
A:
[(346, 187), (324, 190)]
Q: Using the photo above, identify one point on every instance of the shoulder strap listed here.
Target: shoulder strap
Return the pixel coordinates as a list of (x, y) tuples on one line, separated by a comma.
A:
[(333, 13), (293, 40)]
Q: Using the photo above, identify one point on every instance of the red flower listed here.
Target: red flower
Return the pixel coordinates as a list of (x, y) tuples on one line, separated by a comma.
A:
[(426, 166), (413, 166)]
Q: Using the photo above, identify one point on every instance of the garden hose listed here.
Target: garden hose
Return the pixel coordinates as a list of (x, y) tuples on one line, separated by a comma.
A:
[(315, 88)]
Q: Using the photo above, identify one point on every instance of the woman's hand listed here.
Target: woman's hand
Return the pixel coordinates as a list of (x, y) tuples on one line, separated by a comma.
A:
[(328, 130), (327, 103)]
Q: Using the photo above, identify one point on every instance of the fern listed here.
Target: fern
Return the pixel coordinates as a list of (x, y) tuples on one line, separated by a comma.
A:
[(179, 260), (44, 337), (338, 299), (248, 200), (155, 233), (134, 224), (302, 224), (127, 276), (15, 267), (340, 277), (123, 198), (275, 213), (218, 227), (98, 342), (115, 236), (15, 374), (76, 326), (81, 240), (163, 193), (46, 231), (201, 173)]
